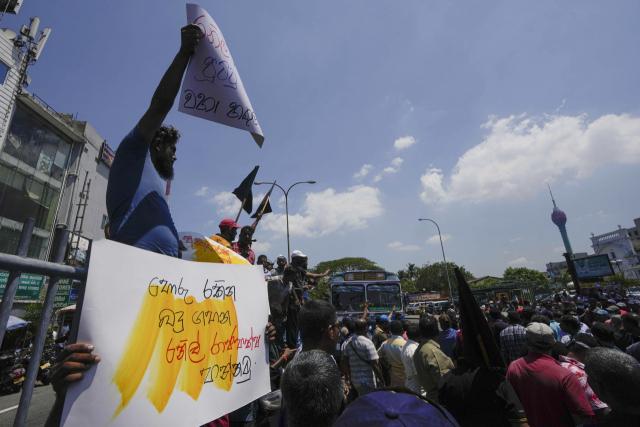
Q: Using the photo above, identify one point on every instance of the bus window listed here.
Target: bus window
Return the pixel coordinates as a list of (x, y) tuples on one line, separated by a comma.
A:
[(348, 297), (384, 297)]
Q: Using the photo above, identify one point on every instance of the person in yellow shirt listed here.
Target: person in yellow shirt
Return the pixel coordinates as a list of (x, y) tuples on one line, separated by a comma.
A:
[(227, 234)]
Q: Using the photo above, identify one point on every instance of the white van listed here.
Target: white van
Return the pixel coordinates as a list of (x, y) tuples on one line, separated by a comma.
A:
[(441, 306)]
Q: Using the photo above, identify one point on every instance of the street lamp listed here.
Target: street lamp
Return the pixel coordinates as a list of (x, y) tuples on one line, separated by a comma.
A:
[(286, 201), (445, 259)]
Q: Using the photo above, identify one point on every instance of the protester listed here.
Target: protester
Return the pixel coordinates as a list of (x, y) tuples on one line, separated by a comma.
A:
[(512, 338), (479, 396), (430, 362), (277, 357), (527, 314), (381, 333), (615, 378), (319, 326), (550, 394), (360, 361), (571, 327), (295, 273), (391, 350), (558, 349), (312, 390), (497, 325), (227, 234), (413, 339), (574, 361), (447, 336)]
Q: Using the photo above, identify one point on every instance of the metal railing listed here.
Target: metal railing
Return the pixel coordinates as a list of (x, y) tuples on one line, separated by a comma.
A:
[(18, 264)]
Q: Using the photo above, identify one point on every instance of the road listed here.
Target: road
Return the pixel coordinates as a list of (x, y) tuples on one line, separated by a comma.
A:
[(41, 403)]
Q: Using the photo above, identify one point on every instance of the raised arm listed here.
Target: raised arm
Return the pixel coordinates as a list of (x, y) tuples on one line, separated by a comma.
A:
[(366, 307), (393, 310), (317, 276), (169, 86), (255, 224)]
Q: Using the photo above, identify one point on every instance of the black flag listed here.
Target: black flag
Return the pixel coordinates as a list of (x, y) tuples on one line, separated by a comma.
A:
[(478, 345), (243, 193), (265, 206)]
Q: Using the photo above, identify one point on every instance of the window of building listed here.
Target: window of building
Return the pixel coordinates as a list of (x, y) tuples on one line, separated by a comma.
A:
[(105, 220), (635, 232), (613, 255), (37, 145), (4, 70)]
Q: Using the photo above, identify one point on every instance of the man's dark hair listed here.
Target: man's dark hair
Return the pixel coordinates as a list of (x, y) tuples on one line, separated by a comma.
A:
[(350, 325), (313, 319), (495, 313), (396, 327), (557, 314), (405, 325), (413, 333), (615, 371), (513, 317), (571, 321), (583, 342), (568, 311), (540, 318), (166, 135), (428, 327), (603, 332), (631, 319), (163, 159), (260, 257), (445, 321), (312, 390)]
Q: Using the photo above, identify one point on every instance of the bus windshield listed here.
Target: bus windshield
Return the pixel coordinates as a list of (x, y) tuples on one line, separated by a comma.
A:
[(348, 297), (384, 297)]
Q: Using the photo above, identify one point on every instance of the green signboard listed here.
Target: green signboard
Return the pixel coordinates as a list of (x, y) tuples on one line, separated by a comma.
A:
[(61, 299), (28, 288)]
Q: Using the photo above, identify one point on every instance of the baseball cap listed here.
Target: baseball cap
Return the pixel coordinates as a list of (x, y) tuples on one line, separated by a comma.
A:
[(296, 254), (228, 223), (622, 305), (281, 257), (540, 335), (394, 407), (603, 312), (384, 318)]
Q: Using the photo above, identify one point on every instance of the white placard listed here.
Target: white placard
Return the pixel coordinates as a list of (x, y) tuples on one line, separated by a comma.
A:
[(212, 88), (181, 343)]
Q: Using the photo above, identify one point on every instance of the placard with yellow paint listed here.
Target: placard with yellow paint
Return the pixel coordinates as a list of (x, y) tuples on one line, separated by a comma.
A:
[(181, 343)]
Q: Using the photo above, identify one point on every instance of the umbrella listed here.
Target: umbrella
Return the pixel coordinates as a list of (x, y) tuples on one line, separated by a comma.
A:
[(202, 249), (16, 322)]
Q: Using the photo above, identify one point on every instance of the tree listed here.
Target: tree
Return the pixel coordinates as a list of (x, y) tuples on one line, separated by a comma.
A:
[(524, 274), (338, 266), (619, 279), (433, 277)]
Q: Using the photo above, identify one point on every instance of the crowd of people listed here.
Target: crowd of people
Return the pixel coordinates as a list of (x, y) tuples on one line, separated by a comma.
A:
[(566, 362)]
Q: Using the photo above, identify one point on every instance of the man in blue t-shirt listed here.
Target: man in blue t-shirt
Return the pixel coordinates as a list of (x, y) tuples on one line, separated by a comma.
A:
[(138, 211)]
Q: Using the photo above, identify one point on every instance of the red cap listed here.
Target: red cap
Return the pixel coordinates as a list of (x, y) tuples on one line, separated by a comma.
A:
[(228, 223)]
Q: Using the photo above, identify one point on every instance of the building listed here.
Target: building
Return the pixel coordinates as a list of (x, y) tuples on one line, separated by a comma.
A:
[(49, 163), (480, 280), (620, 246)]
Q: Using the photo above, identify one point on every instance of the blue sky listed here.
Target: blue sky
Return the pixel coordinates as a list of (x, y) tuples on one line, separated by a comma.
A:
[(399, 110)]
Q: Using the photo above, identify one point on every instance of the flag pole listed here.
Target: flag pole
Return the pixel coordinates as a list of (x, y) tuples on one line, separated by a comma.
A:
[(265, 206), (241, 207)]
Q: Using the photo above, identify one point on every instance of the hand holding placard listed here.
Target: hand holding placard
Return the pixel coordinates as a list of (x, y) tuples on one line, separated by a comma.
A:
[(212, 88)]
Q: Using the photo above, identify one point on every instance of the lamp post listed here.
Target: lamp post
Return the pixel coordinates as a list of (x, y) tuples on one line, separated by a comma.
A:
[(286, 202), (443, 257)]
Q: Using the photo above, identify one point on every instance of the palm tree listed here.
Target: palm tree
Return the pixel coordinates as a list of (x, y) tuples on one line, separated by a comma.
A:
[(412, 271)]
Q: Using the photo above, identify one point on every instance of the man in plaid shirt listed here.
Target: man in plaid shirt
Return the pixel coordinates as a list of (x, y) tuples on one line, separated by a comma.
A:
[(512, 338)]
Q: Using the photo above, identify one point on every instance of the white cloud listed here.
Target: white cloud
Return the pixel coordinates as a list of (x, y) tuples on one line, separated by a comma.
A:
[(202, 191), (228, 204), (405, 141), (398, 246), (518, 261), (602, 214), (395, 166), (329, 212), (505, 252), (364, 171), (516, 239), (519, 155), (559, 250), (260, 247), (377, 178), (281, 202), (435, 240)]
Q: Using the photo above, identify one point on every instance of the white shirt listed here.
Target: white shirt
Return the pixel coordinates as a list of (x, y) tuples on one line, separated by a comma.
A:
[(412, 382)]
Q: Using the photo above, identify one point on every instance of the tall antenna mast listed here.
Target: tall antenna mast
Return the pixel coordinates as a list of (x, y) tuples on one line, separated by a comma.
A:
[(554, 202)]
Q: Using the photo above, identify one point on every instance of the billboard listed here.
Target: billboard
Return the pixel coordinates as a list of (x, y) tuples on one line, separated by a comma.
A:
[(593, 266), (28, 287), (107, 154)]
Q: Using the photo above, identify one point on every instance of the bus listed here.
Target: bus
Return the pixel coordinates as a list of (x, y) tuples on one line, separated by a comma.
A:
[(350, 290)]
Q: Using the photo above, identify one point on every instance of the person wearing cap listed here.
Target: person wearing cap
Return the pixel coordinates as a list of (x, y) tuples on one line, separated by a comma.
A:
[(431, 363), (603, 316), (295, 273), (228, 232), (574, 361), (549, 393), (615, 378)]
